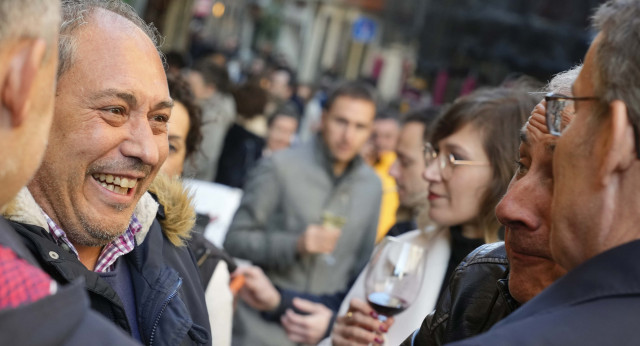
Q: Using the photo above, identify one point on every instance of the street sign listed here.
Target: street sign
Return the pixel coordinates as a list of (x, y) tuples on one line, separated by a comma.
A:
[(363, 30)]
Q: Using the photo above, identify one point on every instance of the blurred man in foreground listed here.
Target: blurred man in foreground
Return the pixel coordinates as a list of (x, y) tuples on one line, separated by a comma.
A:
[(29, 298), (87, 214), (309, 214)]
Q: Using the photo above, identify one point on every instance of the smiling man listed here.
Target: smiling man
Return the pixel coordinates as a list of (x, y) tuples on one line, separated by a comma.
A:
[(87, 212), (28, 296)]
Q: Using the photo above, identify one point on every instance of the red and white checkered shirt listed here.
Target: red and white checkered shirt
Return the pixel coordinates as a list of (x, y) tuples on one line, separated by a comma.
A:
[(110, 253), (20, 282)]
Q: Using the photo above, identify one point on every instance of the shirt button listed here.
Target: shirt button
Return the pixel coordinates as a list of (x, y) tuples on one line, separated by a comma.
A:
[(54, 255)]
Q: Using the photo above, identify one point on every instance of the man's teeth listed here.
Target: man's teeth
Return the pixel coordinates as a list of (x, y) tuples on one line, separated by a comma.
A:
[(119, 185)]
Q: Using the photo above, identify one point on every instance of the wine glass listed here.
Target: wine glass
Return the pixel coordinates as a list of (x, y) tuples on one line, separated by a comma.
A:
[(394, 276), (335, 222)]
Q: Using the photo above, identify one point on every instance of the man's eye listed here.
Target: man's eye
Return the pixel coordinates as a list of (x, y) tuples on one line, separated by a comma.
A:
[(161, 118), (172, 148), (115, 110), (521, 169)]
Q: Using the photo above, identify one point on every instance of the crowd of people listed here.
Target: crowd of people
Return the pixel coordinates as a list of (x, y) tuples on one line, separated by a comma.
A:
[(100, 242)]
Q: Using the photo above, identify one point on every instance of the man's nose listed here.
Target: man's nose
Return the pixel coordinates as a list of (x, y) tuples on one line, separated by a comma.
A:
[(515, 210), (349, 133), (140, 142), (394, 170)]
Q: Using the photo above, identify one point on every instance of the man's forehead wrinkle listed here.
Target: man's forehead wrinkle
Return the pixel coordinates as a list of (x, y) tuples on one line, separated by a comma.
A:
[(127, 96)]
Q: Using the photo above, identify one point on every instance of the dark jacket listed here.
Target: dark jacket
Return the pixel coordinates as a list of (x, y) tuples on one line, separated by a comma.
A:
[(331, 301), (240, 153), (206, 253), (476, 299), (66, 314), (596, 303), (171, 308)]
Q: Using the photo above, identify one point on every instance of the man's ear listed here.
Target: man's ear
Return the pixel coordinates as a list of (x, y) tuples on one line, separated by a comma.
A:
[(22, 68), (618, 147)]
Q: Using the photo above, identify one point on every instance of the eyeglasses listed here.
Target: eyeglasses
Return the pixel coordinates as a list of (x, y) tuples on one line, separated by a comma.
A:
[(557, 106), (446, 162)]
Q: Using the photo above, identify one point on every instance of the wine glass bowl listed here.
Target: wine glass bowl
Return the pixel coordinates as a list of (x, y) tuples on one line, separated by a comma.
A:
[(394, 276), (332, 222)]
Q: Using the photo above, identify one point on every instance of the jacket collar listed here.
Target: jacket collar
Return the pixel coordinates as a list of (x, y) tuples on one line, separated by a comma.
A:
[(24, 209), (503, 288), (9, 238), (177, 221)]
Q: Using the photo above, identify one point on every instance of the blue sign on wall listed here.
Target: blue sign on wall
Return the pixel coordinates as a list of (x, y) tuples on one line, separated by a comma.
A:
[(363, 30)]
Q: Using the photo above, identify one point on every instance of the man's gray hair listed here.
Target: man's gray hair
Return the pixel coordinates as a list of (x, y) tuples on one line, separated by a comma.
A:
[(617, 58), (76, 13), (562, 82), (29, 19)]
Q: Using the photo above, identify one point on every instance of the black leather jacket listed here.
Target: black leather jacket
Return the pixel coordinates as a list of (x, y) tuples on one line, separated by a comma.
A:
[(477, 298)]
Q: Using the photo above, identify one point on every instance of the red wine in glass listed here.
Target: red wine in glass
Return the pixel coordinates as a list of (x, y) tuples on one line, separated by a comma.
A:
[(386, 304), (394, 276)]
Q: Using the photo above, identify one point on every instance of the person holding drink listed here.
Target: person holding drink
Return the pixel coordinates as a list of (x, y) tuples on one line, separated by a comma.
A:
[(466, 127), (309, 320), (468, 170), (286, 223)]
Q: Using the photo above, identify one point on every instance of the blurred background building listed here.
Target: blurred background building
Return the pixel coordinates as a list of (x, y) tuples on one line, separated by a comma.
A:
[(423, 50)]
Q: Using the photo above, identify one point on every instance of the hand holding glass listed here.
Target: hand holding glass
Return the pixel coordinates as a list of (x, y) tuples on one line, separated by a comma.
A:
[(394, 276)]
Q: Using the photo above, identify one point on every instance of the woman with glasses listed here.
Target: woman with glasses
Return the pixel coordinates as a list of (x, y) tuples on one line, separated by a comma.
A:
[(470, 159)]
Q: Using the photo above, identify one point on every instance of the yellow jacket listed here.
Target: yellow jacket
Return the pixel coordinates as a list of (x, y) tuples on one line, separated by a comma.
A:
[(390, 201)]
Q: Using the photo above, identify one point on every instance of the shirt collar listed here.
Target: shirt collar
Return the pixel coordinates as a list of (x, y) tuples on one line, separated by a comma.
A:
[(120, 246)]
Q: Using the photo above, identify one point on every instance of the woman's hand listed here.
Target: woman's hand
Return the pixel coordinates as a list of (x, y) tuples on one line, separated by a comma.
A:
[(360, 326)]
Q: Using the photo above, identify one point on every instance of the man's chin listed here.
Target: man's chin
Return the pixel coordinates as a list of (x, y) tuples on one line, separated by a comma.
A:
[(344, 158), (95, 242), (98, 233)]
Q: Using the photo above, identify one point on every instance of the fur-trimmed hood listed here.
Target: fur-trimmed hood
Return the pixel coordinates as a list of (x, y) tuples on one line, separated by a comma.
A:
[(177, 202), (179, 213)]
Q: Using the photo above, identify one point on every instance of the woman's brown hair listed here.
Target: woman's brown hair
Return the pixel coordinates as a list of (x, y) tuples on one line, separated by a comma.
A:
[(180, 91)]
